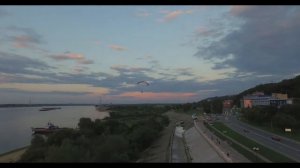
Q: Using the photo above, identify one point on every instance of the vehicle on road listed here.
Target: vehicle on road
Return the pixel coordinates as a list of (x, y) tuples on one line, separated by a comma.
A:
[(246, 131), (276, 138)]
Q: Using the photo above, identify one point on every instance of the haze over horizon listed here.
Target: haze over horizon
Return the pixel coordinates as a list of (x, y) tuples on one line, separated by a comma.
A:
[(76, 54)]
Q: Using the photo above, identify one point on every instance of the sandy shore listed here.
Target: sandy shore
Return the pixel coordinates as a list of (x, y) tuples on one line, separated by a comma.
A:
[(12, 156)]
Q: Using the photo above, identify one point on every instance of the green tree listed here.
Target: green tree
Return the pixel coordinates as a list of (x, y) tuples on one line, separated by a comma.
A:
[(85, 123), (67, 152), (282, 120), (36, 151), (113, 149)]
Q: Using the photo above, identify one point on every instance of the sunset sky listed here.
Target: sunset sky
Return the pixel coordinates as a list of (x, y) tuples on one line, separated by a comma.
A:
[(76, 54)]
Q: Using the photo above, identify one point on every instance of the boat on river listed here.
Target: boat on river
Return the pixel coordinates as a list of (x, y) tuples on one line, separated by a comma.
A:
[(45, 130), (49, 108)]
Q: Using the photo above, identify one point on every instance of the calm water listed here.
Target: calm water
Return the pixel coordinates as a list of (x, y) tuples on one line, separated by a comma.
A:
[(16, 123)]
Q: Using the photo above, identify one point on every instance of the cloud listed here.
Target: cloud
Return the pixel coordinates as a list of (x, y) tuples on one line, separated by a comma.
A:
[(127, 85), (25, 41), (265, 41), (3, 12), (4, 78), (24, 37), (171, 15), (117, 47), (85, 62), (125, 69), (184, 71), (208, 32), (77, 69), (68, 56), (55, 88), (17, 64), (80, 58), (237, 10)]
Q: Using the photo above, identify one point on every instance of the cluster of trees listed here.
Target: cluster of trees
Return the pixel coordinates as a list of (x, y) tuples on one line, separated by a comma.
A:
[(108, 140), (212, 106), (186, 107), (287, 116), (138, 110), (289, 86)]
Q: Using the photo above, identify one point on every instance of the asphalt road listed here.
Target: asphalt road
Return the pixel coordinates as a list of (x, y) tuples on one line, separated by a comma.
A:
[(287, 147)]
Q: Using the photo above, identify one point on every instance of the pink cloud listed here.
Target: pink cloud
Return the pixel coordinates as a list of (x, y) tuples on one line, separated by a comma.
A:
[(117, 47), (237, 10), (5, 78), (157, 96), (171, 15), (23, 41), (80, 58), (68, 56)]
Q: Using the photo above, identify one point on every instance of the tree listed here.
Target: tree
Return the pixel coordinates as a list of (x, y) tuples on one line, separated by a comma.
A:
[(282, 120), (36, 151), (85, 123), (67, 152), (113, 149)]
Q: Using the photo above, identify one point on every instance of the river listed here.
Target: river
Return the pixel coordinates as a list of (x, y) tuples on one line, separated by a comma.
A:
[(16, 123)]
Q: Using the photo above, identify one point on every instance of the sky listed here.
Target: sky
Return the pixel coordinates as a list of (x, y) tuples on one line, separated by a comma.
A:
[(79, 54)]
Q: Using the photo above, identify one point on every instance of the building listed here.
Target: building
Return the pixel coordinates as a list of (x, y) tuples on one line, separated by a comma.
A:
[(277, 102), (246, 103), (227, 106), (280, 96), (260, 99), (255, 100)]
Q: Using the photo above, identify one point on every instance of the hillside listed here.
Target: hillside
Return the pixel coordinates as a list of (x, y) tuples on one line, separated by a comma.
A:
[(289, 86)]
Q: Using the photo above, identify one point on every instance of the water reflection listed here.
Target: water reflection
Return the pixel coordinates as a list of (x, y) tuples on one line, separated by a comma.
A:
[(16, 123)]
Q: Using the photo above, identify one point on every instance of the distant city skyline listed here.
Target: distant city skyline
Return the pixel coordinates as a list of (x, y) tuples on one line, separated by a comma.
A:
[(76, 54)]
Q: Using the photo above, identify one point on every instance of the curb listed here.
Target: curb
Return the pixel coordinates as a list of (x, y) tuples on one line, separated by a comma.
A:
[(217, 149)]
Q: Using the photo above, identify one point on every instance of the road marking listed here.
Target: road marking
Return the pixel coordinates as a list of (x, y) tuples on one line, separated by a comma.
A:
[(270, 139)]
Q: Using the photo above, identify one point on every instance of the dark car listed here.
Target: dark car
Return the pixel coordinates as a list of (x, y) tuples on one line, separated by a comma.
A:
[(246, 131), (276, 138)]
